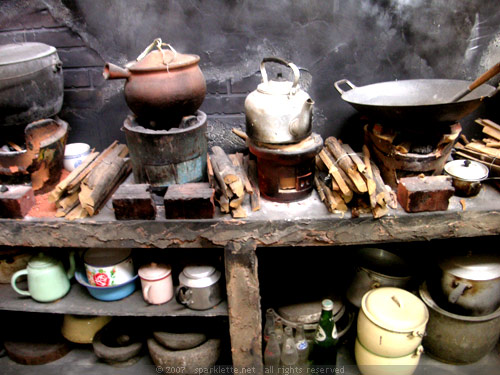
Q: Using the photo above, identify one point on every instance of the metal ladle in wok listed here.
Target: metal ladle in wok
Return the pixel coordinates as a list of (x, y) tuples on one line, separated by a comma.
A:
[(419, 103)]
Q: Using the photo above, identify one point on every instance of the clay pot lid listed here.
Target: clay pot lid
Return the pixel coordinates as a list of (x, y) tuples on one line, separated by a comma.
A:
[(20, 52), (394, 309), (163, 60), (154, 271)]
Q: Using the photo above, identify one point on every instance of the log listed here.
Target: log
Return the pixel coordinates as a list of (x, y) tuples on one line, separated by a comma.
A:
[(486, 122), (104, 178), (240, 133), (239, 213), (237, 160), (490, 151), (492, 132), (228, 194), (252, 176), (360, 165), (227, 171), (327, 159), (77, 213)]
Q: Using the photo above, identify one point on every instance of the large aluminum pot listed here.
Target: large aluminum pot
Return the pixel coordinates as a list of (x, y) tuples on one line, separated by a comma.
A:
[(458, 339), (391, 322), (376, 268), (278, 112), (31, 83), (162, 85), (471, 283)]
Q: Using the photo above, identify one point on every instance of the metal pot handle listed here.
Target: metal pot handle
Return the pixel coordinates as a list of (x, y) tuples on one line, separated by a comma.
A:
[(341, 82), (184, 295), (296, 72), (458, 291)]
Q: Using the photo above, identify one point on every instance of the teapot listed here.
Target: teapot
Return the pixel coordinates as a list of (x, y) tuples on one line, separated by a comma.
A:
[(162, 85), (278, 112), (47, 278)]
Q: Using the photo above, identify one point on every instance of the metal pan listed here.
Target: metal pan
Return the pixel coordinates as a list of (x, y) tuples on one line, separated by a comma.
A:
[(422, 102)]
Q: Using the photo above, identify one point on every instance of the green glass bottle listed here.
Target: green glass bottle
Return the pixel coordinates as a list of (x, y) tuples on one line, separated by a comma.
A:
[(324, 348)]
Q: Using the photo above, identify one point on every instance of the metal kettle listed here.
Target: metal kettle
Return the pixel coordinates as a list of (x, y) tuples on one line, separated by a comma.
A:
[(278, 112)]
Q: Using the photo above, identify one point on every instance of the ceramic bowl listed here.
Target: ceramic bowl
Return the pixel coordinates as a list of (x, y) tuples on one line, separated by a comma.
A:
[(110, 293), (108, 266), (81, 329), (74, 155)]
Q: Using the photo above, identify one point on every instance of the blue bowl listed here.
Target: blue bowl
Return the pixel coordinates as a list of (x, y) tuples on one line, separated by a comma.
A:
[(109, 293)]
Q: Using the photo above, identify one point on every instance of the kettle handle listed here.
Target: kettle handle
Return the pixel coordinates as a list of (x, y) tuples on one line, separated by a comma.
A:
[(14, 279), (296, 72)]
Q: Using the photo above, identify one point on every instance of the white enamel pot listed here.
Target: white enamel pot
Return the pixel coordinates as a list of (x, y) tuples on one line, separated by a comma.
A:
[(108, 267), (391, 322), (372, 364)]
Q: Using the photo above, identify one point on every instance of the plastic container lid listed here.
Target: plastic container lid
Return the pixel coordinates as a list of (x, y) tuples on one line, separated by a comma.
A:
[(154, 271), (394, 309)]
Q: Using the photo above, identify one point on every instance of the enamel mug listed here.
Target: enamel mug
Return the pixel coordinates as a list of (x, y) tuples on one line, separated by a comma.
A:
[(156, 281)]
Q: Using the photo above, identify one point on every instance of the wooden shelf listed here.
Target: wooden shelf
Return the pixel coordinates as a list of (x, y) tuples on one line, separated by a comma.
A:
[(79, 302), (303, 223)]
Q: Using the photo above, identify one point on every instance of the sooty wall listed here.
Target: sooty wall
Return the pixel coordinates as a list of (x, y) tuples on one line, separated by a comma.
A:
[(365, 41)]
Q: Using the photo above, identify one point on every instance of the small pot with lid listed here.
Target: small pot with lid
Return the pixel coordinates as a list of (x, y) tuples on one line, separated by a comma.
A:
[(199, 287), (391, 322), (467, 176), (156, 280), (162, 85), (471, 283)]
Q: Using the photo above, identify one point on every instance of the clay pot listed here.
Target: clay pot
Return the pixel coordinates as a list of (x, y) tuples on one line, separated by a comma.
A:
[(163, 85)]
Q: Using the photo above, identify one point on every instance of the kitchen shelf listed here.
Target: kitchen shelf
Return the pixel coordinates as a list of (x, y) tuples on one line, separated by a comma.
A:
[(79, 302)]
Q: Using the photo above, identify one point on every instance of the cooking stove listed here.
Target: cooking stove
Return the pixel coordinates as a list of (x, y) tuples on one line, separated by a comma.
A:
[(403, 153), (162, 157), (286, 172)]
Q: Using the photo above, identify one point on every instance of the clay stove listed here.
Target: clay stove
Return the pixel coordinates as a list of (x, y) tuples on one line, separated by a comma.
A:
[(286, 172), (402, 153)]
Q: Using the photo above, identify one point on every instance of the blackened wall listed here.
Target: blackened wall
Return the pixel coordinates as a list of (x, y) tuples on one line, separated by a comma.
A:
[(365, 41)]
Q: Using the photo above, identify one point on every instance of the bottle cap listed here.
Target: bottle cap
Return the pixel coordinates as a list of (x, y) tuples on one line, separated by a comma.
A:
[(327, 304)]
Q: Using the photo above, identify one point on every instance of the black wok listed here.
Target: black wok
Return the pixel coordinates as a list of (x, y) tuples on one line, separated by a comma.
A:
[(422, 102)]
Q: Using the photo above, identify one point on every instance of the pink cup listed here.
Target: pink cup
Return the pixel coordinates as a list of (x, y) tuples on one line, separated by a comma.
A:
[(156, 281)]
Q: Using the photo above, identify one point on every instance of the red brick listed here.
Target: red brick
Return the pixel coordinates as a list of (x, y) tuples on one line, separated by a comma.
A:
[(429, 193)]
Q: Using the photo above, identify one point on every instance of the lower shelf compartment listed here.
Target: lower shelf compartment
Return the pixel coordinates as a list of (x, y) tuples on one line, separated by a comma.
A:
[(79, 302)]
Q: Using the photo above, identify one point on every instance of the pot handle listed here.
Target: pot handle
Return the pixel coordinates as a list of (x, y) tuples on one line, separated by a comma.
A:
[(296, 72), (184, 295), (14, 279), (458, 291), (341, 82), (158, 44)]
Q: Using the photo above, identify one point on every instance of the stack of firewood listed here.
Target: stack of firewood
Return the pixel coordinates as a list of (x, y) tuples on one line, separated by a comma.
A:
[(345, 180), (486, 150), (233, 176), (84, 191)]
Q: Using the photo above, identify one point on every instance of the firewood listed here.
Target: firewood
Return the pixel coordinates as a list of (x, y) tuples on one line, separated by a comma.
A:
[(327, 159), (61, 187), (239, 212), (403, 147), (368, 174), (319, 188), (77, 213), (227, 171), (103, 179), (252, 176), (220, 182), (360, 165), (492, 132), (476, 146), (493, 144), (240, 133), (237, 160), (210, 173), (486, 122)]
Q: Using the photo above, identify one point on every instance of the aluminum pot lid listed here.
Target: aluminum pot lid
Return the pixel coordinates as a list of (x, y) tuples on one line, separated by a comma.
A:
[(199, 276), (21, 52), (394, 309), (103, 257), (309, 312), (154, 271), (477, 267), (467, 170)]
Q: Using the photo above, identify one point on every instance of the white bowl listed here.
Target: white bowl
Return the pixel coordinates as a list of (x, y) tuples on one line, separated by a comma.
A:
[(75, 154)]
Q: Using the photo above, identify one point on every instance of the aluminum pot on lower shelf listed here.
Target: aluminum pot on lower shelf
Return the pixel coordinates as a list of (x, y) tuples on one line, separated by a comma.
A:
[(458, 339), (199, 287)]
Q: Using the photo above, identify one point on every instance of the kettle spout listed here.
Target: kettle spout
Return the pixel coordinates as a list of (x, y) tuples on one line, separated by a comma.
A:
[(112, 71), (71, 270)]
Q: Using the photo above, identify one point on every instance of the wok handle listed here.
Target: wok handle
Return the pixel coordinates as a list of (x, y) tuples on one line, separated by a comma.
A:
[(341, 82), (478, 82)]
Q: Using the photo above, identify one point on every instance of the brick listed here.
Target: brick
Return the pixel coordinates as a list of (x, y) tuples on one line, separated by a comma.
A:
[(79, 57), (231, 105), (82, 98), (76, 78), (245, 85), (428, 193), (217, 87), (96, 77), (16, 201), (27, 15), (134, 202), (12, 37), (59, 38), (194, 200)]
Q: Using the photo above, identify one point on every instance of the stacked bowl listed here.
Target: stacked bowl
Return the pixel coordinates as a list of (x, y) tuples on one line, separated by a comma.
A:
[(391, 325)]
